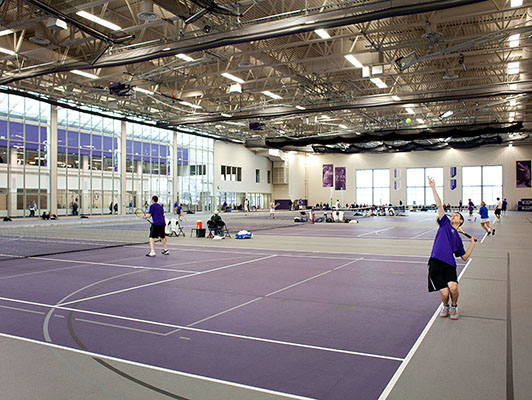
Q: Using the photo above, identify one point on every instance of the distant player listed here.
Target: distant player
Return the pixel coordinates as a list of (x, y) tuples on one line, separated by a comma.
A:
[(498, 209), (442, 264), (504, 206), (470, 207), (158, 226), (485, 219), (272, 209)]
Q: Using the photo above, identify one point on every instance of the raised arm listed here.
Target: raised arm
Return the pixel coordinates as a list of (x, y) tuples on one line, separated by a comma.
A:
[(437, 200)]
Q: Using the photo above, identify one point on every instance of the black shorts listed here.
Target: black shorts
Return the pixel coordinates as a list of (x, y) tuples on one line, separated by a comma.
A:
[(157, 231), (497, 211), (440, 274)]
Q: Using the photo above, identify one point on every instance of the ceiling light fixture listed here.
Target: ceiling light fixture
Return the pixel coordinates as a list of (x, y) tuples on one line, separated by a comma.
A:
[(98, 20), (446, 114), (232, 77), (226, 115), (236, 88), (396, 98), (514, 40), (272, 95), (380, 84), (6, 32), (300, 108), (342, 126), (420, 121), (410, 111), (84, 74), (516, 3), (184, 57), (513, 68), (186, 103), (137, 89), (353, 61), (512, 102), (322, 33)]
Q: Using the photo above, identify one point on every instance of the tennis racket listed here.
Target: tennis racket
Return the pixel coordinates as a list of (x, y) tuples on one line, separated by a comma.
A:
[(467, 235), (139, 212)]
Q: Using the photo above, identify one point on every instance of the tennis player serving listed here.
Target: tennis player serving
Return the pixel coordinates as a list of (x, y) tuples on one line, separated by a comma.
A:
[(442, 265)]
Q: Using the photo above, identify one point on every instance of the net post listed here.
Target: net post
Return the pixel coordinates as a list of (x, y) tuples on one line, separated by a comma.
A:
[(313, 215)]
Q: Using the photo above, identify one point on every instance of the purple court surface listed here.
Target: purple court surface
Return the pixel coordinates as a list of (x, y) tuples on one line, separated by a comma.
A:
[(310, 324)]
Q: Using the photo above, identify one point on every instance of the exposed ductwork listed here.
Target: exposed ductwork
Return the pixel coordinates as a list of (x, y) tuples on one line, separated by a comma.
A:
[(289, 26)]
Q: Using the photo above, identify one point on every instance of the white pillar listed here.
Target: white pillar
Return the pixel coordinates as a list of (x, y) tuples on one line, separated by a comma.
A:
[(52, 160), (122, 170)]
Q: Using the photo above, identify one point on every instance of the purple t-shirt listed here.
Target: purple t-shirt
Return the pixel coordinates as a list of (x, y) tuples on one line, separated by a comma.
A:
[(157, 214), (447, 244)]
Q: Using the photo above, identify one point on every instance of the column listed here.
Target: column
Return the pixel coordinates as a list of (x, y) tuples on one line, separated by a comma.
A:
[(122, 171), (174, 171), (52, 160)]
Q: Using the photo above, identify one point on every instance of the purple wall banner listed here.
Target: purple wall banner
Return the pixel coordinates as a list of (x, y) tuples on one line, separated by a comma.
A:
[(327, 175), (522, 174), (452, 184), (339, 178), (452, 172)]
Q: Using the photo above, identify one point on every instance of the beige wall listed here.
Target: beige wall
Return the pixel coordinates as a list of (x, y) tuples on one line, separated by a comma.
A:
[(238, 156), (304, 171), (505, 156)]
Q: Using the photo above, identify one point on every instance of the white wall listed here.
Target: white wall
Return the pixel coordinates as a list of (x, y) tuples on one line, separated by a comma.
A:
[(505, 156), (238, 156)]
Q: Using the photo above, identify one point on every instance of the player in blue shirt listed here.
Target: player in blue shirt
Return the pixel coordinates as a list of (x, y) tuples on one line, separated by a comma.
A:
[(158, 226), (485, 219), (442, 264)]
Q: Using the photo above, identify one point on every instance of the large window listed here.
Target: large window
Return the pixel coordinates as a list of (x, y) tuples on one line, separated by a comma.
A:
[(373, 186), (418, 191), (483, 183)]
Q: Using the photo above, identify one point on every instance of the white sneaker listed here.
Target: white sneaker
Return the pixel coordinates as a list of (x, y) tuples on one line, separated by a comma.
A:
[(454, 313), (150, 254), (444, 313)]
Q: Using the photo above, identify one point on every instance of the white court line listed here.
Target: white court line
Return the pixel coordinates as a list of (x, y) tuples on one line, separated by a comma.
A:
[(139, 266), (269, 294), (160, 369), (164, 281), (39, 272), (406, 361), (23, 309), (380, 230), (239, 251), (484, 237), (423, 233), (120, 326), (206, 331)]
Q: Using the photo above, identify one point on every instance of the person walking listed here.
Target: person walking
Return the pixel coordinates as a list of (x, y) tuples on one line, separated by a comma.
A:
[(157, 227), (504, 206), (498, 209), (447, 245), (485, 219), (32, 208)]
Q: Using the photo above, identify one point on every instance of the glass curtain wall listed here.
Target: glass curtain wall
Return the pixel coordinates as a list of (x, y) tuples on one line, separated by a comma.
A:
[(88, 163), (195, 172), (148, 166), (24, 180), (88, 154), (373, 186), (418, 191), (482, 183)]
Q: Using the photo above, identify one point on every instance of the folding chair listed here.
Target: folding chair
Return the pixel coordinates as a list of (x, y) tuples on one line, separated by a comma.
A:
[(223, 230), (212, 229), (174, 228)]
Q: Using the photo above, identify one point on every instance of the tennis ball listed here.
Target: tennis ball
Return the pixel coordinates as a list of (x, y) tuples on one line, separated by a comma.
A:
[(408, 120)]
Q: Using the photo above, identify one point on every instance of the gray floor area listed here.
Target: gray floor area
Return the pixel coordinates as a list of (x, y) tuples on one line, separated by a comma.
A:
[(485, 355)]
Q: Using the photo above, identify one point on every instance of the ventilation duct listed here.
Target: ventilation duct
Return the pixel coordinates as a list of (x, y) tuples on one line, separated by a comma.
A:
[(39, 37), (147, 14)]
